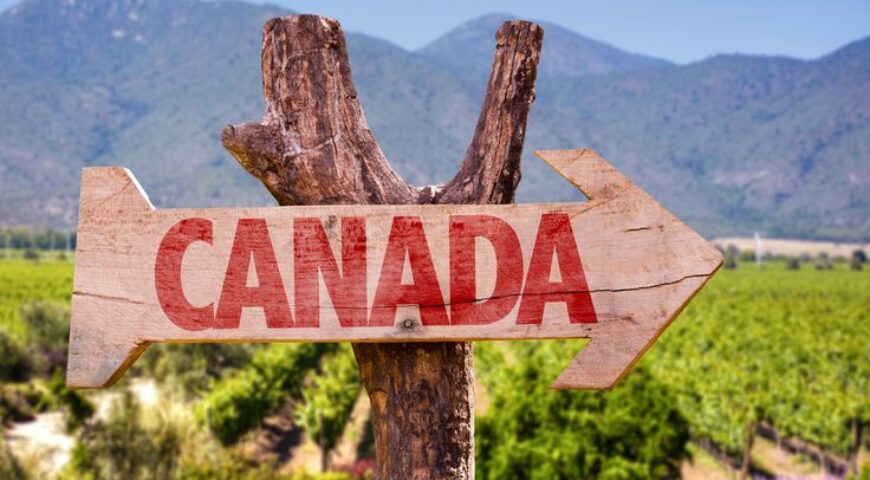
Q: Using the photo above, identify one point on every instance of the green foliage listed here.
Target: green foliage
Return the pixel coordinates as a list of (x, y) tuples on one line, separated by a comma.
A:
[(35, 239), (48, 330), (192, 368), (701, 126), (303, 475), (328, 399), (19, 402), (123, 448), (230, 466), (860, 256), (10, 469), (531, 431), (15, 362), (22, 282), (788, 348), (78, 408), (47, 323), (746, 256), (238, 403)]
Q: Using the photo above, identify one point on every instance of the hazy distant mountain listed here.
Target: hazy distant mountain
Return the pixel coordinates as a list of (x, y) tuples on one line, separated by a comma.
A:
[(731, 144), (468, 50), (770, 143)]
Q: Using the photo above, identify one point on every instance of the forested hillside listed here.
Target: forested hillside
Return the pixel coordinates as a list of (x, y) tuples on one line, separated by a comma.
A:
[(731, 144)]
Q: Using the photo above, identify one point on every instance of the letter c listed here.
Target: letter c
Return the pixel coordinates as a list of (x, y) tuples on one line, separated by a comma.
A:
[(167, 274)]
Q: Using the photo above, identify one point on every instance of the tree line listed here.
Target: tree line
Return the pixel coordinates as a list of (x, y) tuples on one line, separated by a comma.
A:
[(24, 238)]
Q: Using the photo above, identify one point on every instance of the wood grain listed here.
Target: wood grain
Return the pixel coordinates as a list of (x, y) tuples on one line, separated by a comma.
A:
[(641, 264), (314, 146)]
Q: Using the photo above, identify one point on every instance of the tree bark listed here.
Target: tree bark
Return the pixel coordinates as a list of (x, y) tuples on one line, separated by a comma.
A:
[(746, 454), (314, 146), (855, 448)]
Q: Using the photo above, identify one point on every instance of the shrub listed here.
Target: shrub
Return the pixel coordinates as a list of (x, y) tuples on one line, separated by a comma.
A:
[(531, 431), (793, 263), (48, 330), (329, 399), (858, 259), (229, 466), (192, 368), (15, 363), (121, 447), (78, 408), (730, 254), (32, 255), (15, 404), (823, 262), (10, 469), (730, 262), (238, 403)]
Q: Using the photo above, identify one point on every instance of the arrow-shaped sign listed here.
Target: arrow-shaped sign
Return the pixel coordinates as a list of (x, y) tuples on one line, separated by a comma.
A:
[(616, 269)]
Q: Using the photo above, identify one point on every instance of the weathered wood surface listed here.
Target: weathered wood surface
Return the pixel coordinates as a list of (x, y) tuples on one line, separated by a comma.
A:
[(640, 266), (314, 147)]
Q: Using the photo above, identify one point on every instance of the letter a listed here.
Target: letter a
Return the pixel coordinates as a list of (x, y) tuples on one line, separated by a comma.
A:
[(555, 237), (253, 241), (407, 236)]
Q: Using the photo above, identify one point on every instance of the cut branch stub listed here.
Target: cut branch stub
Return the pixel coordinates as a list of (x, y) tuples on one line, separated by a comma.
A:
[(314, 146)]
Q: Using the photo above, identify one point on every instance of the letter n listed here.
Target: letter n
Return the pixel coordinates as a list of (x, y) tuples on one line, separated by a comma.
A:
[(347, 289)]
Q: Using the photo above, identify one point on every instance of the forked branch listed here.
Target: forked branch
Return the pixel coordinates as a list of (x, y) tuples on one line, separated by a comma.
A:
[(314, 146)]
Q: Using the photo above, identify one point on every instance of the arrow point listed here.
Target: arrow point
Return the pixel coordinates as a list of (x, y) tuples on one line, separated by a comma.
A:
[(588, 171), (602, 364)]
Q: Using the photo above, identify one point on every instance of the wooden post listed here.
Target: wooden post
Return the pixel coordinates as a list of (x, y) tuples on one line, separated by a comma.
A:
[(314, 146)]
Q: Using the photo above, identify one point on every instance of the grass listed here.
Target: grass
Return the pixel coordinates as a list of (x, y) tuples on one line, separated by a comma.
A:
[(22, 281), (772, 315)]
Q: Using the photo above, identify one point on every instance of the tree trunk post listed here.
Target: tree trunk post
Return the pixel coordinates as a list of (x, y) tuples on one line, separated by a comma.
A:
[(855, 447), (746, 454), (314, 146)]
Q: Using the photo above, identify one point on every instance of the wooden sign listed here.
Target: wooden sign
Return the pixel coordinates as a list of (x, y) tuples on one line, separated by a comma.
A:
[(616, 269)]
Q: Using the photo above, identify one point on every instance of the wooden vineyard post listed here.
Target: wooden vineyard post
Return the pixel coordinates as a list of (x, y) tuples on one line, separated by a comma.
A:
[(314, 147)]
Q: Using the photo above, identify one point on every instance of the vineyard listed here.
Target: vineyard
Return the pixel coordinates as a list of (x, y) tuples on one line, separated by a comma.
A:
[(786, 349), (762, 352), (23, 281)]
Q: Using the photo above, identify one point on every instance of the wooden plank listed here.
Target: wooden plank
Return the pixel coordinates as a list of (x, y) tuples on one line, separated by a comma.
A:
[(616, 269)]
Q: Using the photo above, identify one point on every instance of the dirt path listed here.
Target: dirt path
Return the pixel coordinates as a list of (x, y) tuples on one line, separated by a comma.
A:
[(42, 444)]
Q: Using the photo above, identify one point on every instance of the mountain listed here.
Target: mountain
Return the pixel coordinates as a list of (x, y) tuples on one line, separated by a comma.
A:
[(766, 143), (468, 51), (731, 143)]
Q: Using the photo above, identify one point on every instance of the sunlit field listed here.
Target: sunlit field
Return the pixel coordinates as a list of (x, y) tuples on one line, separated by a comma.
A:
[(766, 370)]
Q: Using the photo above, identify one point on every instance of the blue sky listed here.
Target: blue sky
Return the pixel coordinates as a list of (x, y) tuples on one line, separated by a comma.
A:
[(679, 30)]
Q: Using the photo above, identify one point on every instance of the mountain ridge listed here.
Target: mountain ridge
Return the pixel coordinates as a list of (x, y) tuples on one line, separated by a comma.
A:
[(150, 84)]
